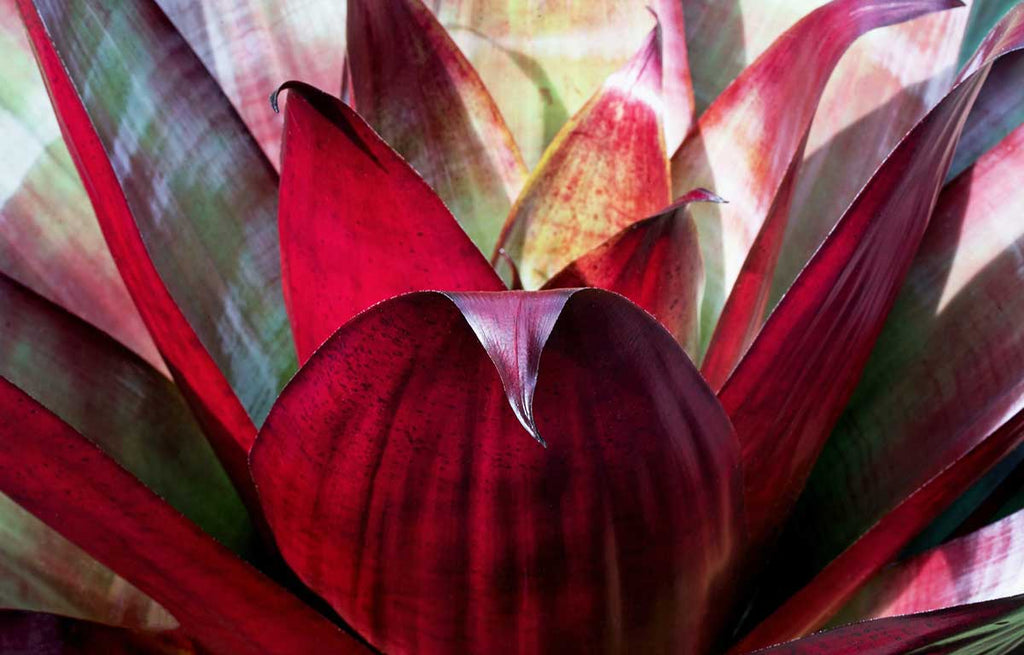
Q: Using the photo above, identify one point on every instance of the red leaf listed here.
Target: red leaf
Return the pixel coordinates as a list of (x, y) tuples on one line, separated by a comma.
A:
[(31, 633), (677, 88), (605, 170), (53, 472), (452, 529), (655, 263), (429, 104), (357, 224), (750, 136), (915, 633), (202, 207)]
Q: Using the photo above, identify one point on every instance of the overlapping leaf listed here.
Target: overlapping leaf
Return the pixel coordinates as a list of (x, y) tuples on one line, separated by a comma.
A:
[(40, 633), (605, 170), (49, 238), (358, 225), (458, 531), (252, 46), (930, 414), (748, 139), (67, 482), (655, 263), (414, 86), (186, 201)]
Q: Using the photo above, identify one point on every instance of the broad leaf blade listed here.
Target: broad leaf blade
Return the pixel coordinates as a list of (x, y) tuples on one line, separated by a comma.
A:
[(751, 135), (655, 263), (457, 530), (63, 479), (605, 170), (428, 103), (49, 239), (358, 225), (189, 216)]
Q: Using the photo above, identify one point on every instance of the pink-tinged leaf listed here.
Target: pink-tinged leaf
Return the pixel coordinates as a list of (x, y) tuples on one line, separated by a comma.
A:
[(605, 170), (358, 225), (428, 103), (41, 571), (745, 308), (452, 529), (251, 46), (748, 139), (980, 629), (883, 86), (929, 416), (49, 238), (28, 633), (68, 483), (982, 566), (110, 396), (997, 112), (655, 263), (680, 116), (791, 386), (542, 60), (819, 600), (186, 200)]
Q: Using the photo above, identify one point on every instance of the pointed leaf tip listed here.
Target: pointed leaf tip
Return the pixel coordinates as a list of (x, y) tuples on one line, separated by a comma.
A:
[(513, 328)]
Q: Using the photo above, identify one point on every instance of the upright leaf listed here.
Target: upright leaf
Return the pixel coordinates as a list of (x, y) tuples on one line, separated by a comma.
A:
[(747, 141), (455, 530), (49, 238), (998, 111), (538, 58), (252, 46), (411, 83), (933, 409), (186, 200), (655, 263), (605, 170), (358, 225), (63, 479)]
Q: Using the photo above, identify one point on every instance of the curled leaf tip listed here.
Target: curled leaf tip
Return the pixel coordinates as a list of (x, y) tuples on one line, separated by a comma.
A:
[(273, 100), (503, 255), (700, 194)]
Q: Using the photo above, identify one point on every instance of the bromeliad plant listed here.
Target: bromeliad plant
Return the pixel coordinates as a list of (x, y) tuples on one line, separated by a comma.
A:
[(627, 456)]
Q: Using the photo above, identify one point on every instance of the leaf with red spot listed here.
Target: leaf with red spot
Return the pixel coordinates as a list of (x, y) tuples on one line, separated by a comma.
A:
[(655, 263), (358, 225), (429, 104), (748, 139), (68, 483), (189, 218), (456, 530), (604, 171)]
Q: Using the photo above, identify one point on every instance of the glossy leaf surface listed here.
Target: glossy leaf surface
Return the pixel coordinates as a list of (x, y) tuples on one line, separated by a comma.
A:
[(47, 468), (747, 140), (852, 313), (428, 103), (842, 296), (358, 225), (189, 217), (605, 170), (455, 530), (49, 239), (655, 263)]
